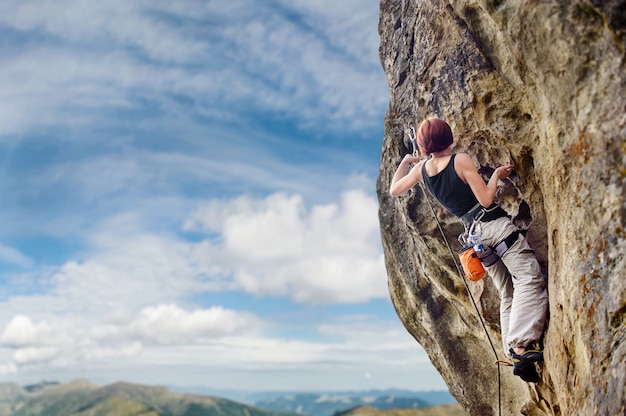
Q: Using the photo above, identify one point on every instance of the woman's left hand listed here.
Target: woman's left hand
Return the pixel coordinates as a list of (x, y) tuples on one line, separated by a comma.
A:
[(504, 171)]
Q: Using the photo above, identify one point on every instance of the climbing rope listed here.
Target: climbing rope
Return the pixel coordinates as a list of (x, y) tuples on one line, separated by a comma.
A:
[(458, 268)]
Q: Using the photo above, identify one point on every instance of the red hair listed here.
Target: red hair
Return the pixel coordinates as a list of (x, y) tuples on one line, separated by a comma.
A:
[(434, 135)]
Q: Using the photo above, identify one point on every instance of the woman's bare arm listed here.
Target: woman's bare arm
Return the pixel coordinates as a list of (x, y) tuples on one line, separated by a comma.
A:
[(403, 181), (484, 193)]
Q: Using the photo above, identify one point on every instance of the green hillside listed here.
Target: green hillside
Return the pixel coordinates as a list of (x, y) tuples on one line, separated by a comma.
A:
[(82, 398)]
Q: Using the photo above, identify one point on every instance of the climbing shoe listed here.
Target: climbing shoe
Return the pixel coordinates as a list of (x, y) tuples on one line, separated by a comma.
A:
[(528, 373), (526, 358)]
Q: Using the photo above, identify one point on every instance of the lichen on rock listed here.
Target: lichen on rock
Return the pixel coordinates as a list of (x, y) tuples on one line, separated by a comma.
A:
[(539, 84)]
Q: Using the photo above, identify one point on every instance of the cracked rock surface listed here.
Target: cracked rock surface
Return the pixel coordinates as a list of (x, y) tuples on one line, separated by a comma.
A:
[(539, 84)]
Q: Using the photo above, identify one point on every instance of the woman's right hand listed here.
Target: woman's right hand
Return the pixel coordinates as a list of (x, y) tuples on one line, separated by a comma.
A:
[(411, 159)]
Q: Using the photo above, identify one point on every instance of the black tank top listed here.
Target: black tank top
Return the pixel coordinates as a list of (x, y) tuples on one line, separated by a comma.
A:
[(455, 195)]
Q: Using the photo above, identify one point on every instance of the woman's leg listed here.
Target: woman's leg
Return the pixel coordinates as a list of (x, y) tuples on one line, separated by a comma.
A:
[(501, 279), (529, 304), (529, 309)]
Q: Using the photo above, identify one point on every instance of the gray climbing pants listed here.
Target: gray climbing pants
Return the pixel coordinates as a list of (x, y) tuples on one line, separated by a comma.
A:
[(521, 285)]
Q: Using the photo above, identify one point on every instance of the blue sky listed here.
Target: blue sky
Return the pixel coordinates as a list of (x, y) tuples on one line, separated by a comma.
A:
[(187, 196)]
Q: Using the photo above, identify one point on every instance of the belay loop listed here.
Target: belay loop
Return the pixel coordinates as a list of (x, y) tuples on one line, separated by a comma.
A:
[(475, 234)]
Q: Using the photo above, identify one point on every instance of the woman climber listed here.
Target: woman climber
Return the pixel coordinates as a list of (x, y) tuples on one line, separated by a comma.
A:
[(456, 184)]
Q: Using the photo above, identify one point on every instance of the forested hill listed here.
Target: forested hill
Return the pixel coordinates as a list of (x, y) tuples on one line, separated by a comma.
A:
[(82, 398)]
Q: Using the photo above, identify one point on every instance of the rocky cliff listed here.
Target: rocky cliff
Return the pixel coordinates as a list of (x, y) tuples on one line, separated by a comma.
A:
[(541, 84)]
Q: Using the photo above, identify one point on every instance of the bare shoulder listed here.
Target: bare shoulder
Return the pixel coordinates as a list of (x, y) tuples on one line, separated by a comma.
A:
[(464, 162), (464, 158), (417, 170), (464, 166)]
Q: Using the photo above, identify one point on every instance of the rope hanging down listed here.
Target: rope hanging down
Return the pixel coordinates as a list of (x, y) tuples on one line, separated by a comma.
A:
[(460, 272)]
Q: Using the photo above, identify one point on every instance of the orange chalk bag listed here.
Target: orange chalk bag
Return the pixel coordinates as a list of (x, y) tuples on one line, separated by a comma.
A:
[(472, 266)]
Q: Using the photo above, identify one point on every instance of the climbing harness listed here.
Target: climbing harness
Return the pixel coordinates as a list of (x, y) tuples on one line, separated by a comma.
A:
[(475, 213), (413, 140), (506, 244)]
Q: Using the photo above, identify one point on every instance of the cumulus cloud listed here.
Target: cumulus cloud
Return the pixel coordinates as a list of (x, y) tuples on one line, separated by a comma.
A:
[(273, 246), (21, 331), (277, 246), (169, 324), (71, 340)]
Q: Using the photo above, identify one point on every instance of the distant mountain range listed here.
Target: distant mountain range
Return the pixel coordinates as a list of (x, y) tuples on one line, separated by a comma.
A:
[(82, 398), (327, 404)]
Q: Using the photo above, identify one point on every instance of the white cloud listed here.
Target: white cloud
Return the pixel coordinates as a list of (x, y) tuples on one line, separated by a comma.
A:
[(72, 340), (352, 347), (275, 246), (8, 369), (21, 331), (100, 353), (341, 347), (129, 269), (184, 345), (122, 299), (34, 355), (169, 324)]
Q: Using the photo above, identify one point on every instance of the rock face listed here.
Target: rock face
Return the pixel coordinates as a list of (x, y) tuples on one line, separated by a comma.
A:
[(541, 84)]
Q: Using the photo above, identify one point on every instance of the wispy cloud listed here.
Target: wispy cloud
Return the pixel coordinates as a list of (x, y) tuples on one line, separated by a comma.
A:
[(14, 257), (117, 56)]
